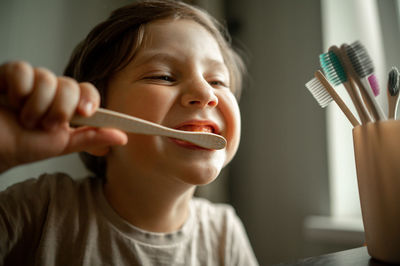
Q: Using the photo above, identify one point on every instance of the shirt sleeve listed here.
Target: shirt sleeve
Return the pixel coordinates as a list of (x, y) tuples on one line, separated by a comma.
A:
[(22, 213)]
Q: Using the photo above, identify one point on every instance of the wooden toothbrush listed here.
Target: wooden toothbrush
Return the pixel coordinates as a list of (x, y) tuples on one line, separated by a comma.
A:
[(367, 93), (127, 123), (355, 93), (324, 93), (331, 63), (393, 93), (107, 118)]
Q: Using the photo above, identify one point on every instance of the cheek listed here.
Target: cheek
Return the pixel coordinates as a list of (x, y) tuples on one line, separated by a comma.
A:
[(144, 102), (148, 103), (230, 111)]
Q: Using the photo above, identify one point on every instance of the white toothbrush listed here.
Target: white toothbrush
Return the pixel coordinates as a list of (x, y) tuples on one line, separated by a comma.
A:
[(108, 118), (324, 93)]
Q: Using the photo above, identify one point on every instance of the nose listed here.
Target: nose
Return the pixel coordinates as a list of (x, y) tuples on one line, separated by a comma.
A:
[(199, 94)]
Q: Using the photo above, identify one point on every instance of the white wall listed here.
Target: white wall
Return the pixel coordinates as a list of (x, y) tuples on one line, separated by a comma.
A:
[(280, 174), (345, 22)]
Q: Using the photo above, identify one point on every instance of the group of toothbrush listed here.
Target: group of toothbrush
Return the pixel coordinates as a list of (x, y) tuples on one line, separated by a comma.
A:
[(351, 66)]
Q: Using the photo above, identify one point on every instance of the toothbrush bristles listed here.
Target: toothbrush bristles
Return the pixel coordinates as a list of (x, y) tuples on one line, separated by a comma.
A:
[(362, 64), (393, 81), (360, 59), (324, 93), (332, 68), (319, 92), (373, 82)]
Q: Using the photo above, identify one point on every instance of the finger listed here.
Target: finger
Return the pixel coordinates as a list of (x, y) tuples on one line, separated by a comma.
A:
[(39, 101), (99, 151), (64, 103), (17, 80), (89, 100), (89, 139)]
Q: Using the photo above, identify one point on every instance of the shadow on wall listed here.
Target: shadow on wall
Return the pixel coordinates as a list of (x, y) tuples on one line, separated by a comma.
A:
[(279, 175)]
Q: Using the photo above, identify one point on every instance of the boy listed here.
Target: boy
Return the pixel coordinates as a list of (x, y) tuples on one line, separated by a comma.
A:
[(163, 61)]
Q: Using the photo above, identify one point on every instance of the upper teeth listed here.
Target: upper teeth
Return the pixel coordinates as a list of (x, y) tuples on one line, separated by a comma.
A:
[(197, 128)]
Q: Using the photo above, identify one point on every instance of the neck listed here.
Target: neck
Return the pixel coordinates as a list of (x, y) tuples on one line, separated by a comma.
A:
[(152, 203)]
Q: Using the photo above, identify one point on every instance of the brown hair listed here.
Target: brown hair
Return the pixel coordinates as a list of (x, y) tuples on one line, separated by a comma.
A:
[(112, 44)]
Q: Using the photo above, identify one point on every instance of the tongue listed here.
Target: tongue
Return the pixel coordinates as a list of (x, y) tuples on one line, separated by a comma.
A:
[(196, 128)]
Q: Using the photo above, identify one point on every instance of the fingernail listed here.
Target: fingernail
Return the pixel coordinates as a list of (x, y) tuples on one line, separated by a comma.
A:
[(87, 108)]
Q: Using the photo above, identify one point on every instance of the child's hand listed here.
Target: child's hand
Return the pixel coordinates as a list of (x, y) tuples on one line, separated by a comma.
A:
[(35, 108)]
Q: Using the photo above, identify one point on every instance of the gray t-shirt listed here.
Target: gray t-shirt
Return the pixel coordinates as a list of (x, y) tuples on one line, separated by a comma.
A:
[(56, 220)]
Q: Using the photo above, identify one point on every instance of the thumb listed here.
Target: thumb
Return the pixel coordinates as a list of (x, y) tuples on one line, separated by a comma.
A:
[(89, 138)]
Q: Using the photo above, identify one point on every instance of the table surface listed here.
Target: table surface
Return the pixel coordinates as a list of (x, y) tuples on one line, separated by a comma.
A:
[(353, 257)]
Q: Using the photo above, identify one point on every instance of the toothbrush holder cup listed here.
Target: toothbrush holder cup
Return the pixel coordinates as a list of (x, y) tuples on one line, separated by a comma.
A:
[(377, 156)]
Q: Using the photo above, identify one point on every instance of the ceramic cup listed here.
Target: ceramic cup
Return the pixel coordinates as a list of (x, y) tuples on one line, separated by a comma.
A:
[(377, 155)]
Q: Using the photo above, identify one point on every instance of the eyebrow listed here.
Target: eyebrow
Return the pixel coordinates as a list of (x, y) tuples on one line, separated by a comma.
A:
[(150, 56), (166, 57)]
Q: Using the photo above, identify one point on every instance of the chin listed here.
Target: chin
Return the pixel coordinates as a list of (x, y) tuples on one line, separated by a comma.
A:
[(199, 176)]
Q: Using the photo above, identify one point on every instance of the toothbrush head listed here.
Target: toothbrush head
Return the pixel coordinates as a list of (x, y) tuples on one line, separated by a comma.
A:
[(332, 68), (373, 82), (360, 59), (319, 92), (362, 64), (393, 82)]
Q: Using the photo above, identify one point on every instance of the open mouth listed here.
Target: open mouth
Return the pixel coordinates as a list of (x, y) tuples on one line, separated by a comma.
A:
[(197, 128), (205, 126)]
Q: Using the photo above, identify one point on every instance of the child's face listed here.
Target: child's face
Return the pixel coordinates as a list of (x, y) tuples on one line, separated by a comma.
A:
[(177, 79)]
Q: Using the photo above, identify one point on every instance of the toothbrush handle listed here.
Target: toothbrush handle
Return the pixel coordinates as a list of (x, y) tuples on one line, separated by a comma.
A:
[(378, 112), (318, 74), (367, 95), (393, 102), (357, 97), (352, 90), (108, 118)]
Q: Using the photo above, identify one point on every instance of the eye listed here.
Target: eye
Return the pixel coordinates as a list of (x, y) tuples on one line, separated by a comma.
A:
[(162, 78), (165, 78), (217, 83)]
